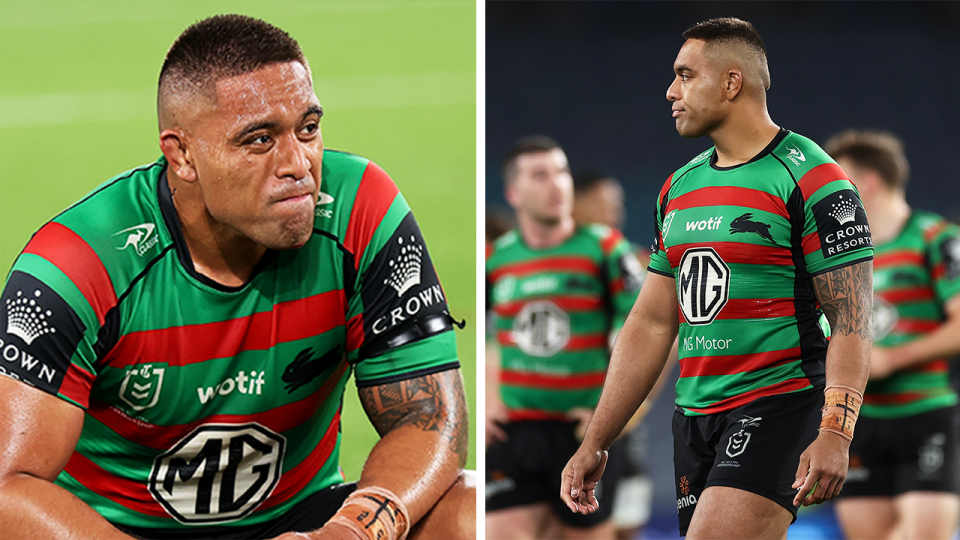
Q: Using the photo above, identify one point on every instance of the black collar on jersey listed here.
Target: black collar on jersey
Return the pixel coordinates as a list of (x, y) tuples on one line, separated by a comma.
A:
[(763, 153), (172, 221)]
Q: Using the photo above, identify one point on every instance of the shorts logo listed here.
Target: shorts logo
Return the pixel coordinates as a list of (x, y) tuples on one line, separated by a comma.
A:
[(688, 498), (541, 329), (745, 224), (218, 473), (931, 454), (141, 237), (738, 441), (499, 483), (703, 287), (795, 155), (885, 318), (406, 267), (141, 386), (26, 319)]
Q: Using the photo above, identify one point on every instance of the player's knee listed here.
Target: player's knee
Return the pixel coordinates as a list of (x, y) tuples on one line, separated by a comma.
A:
[(455, 514)]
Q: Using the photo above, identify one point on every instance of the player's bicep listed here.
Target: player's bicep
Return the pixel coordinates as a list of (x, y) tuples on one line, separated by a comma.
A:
[(657, 302), (429, 403), (38, 431), (846, 298)]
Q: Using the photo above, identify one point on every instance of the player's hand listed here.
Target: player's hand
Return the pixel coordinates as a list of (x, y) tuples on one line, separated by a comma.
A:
[(578, 481), (823, 465), (881, 363), (582, 416), (496, 417)]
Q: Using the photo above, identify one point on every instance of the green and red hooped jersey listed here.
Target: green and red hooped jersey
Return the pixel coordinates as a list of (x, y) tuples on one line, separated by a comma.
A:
[(743, 243), (207, 404), (914, 276), (555, 310)]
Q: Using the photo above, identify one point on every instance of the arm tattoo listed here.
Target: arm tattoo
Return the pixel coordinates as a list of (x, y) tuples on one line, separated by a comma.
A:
[(433, 402), (846, 298)]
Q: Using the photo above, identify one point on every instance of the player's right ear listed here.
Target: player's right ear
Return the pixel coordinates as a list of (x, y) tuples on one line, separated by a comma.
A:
[(174, 148)]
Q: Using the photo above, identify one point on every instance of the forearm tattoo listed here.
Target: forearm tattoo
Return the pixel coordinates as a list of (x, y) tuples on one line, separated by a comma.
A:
[(431, 403), (846, 298)]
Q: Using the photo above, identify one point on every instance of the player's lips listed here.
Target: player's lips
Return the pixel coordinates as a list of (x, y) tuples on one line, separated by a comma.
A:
[(676, 112)]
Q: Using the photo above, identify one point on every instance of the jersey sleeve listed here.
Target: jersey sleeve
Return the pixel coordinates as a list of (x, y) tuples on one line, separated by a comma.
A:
[(835, 229), (48, 329), (400, 326), (659, 263), (944, 254), (625, 276)]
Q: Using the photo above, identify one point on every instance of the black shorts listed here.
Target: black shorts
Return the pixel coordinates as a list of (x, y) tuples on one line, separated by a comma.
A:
[(308, 515), (755, 447), (892, 456), (526, 470)]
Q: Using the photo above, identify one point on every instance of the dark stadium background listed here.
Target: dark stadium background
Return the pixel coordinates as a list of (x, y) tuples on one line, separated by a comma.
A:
[(594, 76)]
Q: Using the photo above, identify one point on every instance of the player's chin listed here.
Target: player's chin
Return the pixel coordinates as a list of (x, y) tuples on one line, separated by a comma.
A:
[(293, 233)]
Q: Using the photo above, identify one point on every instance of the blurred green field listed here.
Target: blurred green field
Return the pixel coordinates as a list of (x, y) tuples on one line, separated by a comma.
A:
[(397, 80)]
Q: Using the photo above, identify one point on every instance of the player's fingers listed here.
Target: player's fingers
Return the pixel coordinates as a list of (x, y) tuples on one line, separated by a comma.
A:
[(801, 474), (805, 489), (571, 483)]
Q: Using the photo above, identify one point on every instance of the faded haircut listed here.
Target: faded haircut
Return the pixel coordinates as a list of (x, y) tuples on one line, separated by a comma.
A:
[(740, 34), (879, 151), (220, 47), (529, 144)]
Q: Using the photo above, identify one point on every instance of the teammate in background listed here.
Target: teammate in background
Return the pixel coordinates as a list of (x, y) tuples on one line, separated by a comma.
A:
[(903, 462), (598, 198), (750, 235), (184, 333), (558, 290)]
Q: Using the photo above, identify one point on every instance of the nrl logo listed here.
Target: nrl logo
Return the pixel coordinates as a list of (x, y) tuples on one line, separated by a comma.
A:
[(141, 385), (141, 237)]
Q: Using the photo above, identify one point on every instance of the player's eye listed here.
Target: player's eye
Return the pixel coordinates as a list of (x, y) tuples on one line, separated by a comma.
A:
[(310, 129), (260, 139)]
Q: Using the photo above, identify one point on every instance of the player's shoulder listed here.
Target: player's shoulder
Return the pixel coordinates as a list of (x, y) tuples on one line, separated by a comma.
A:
[(700, 160), (353, 189), (933, 227), (503, 247), (800, 155), (119, 224)]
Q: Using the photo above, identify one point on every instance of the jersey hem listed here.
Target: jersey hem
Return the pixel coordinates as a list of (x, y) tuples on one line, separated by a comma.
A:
[(662, 273)]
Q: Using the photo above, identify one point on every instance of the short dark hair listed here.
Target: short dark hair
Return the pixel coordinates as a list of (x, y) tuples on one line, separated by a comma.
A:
[(586, 181), (528, 144), (733, 30), (879, 151), (225, 46)]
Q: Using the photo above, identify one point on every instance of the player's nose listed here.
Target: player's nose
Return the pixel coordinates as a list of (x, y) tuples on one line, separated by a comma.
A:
[(292, 160)]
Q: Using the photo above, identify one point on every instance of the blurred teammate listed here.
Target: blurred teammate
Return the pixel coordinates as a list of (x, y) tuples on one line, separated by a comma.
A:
[(558, 290), (751, 235), (598, 198), (903, 462), (177, 343)]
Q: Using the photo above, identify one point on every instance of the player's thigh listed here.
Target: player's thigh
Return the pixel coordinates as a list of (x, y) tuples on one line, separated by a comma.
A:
[(867, 518), (455, 514), (603, 531), (725, 512), (928, 515), (518, 522)]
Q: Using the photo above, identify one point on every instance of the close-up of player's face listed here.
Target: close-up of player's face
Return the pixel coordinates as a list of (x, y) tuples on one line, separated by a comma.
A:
[(543, 187), (258, 155), (696, 92)]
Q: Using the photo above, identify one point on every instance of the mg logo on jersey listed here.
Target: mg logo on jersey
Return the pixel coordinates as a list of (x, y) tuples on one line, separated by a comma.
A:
[(885, 317), (541, 329), (703, 287), (141, 237), (218, 473), (141, 386)]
